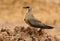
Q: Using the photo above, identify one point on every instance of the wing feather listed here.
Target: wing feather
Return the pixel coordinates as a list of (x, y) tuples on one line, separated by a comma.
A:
[(36, 23)]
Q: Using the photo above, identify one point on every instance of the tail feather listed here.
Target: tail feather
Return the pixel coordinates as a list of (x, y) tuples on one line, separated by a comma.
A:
[(49, 27)]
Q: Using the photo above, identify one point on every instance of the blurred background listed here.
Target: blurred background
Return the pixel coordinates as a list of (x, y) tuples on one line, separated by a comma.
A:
[(47, 11)]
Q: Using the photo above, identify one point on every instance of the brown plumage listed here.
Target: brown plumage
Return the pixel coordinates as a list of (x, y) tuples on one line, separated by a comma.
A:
[(30, 20)]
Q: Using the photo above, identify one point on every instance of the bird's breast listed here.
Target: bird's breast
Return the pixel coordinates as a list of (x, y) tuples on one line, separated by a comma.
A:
[(27, 21)]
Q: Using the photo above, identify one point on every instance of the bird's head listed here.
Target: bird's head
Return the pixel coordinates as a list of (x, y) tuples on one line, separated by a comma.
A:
[(27, 8), (28, 13)]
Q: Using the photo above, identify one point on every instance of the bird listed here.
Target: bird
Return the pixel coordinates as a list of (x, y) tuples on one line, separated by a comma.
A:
[(33, 22)]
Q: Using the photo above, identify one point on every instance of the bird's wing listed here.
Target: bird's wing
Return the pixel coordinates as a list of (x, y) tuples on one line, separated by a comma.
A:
[(36, 22)]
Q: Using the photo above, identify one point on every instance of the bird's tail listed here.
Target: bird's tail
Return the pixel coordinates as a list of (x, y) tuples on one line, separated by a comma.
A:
[(48, 27)]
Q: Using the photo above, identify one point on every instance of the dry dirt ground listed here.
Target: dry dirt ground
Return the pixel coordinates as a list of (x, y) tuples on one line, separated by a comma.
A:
[(13, 27)]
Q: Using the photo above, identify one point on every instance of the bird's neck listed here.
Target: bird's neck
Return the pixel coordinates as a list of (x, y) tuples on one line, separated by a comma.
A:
[(27, 10), (28, 14)]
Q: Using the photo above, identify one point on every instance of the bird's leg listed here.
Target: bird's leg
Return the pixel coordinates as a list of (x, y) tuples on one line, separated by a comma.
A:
[(40, 32)]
